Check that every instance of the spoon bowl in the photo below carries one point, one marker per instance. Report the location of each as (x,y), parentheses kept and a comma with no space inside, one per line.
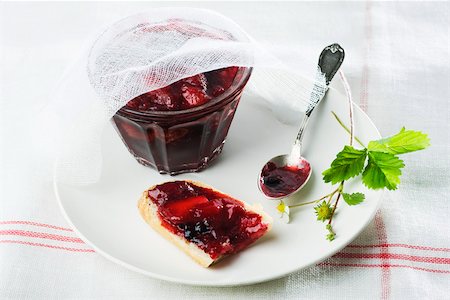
(299,173)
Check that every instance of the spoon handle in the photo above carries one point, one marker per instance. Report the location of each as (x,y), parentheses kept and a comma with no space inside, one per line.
(330,60)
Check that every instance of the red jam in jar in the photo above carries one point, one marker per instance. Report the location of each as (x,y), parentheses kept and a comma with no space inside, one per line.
(182,127)
(215,222)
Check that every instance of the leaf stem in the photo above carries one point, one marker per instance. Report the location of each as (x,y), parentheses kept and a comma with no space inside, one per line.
(307,203)
(348,130)
(315,201)
(335,204)
(329,199)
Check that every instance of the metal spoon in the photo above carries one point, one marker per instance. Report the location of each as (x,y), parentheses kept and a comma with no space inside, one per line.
(330,60)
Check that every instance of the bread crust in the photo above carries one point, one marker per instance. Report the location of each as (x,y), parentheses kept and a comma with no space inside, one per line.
(149,212)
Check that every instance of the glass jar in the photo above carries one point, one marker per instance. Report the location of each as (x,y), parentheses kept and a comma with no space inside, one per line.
(181,141)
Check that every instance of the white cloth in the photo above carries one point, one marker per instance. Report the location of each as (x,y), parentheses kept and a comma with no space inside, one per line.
(398,66)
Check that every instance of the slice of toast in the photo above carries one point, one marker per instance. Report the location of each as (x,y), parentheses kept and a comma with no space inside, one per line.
(156,212)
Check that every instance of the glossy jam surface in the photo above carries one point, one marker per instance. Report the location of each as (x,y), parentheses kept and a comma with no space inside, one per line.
(215,222)
(280,181)
(186,93)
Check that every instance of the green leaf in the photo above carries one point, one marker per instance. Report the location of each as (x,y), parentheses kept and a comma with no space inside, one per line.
(382,171)
(403,142)
(353,199)
(347,164)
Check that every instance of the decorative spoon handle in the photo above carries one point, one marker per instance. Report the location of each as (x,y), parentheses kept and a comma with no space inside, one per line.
(330,60)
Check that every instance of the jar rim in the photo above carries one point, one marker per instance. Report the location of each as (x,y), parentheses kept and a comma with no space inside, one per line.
(217,100)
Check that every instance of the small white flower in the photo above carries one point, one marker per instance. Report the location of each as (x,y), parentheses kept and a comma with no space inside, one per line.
(283,211)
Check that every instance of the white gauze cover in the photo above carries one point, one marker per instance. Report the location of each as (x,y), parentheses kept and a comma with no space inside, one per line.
(148,51)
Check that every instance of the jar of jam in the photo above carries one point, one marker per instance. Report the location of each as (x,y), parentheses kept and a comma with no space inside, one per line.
(182,127)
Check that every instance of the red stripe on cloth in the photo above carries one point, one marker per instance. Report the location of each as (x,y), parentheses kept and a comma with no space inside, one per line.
(34,224)
(382,266)
(46,246)
(401,246)
(387,256)
(384,255)
(49,236)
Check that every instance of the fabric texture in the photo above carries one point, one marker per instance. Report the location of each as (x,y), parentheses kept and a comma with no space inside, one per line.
(398,66)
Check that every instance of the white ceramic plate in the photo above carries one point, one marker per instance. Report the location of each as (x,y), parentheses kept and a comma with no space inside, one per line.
(105,215)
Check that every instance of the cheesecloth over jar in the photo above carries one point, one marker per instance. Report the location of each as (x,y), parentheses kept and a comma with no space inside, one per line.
(147,51)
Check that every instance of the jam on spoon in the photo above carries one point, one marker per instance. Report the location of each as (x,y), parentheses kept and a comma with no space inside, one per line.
(279,181)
